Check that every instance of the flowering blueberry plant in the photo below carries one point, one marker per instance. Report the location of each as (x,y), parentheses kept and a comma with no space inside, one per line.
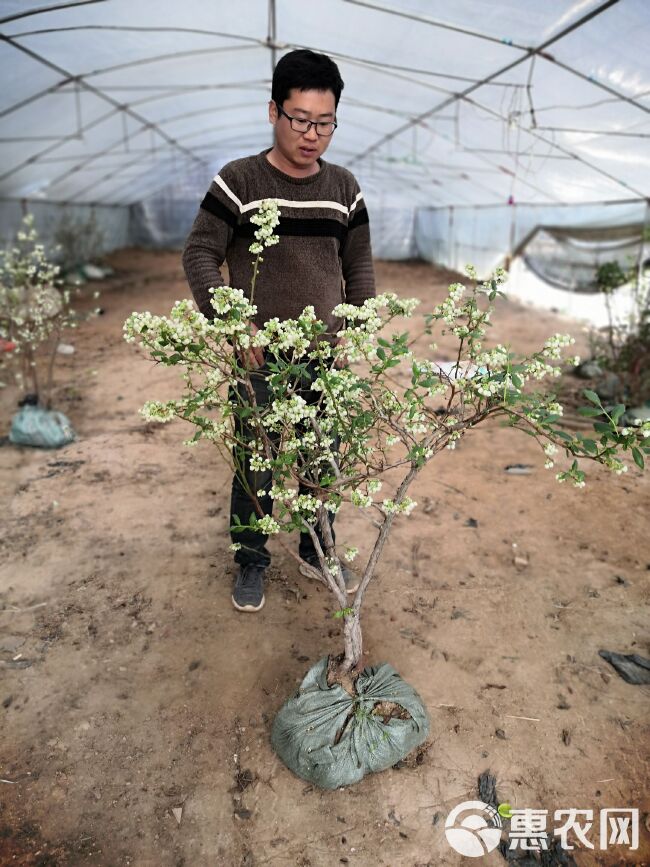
(387,408)
(34,310)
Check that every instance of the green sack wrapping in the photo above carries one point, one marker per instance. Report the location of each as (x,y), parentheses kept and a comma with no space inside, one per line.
(305,730)
(41,428)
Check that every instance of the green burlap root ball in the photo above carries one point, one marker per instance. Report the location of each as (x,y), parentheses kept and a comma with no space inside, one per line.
(305,730)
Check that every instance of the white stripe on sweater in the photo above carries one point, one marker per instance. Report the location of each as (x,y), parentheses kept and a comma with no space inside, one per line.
(286,203)
(356,201)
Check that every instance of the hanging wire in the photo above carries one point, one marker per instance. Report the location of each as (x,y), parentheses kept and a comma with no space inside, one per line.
(464,94)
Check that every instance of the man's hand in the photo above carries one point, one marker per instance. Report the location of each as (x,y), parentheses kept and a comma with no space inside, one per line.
(341,360)
(253,357)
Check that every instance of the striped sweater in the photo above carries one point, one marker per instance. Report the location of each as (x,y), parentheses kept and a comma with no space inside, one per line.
(324,255)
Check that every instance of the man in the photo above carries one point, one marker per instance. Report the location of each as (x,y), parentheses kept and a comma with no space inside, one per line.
(324,256)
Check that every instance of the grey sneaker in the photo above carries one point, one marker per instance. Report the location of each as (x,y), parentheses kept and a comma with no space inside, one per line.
(248,592)
(350,578)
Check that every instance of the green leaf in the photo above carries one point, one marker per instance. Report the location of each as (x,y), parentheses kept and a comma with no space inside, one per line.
(381,354)
(617,412)
(592,396)
(590,446)
(589,410)
(638,458)
(516,380)
(603,427)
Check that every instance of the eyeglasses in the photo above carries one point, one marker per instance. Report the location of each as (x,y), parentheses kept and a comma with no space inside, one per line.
(298,124)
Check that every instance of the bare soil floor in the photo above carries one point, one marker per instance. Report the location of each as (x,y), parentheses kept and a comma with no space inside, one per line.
(137,703)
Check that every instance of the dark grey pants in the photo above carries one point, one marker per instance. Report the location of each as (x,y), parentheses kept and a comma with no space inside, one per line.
(253,544)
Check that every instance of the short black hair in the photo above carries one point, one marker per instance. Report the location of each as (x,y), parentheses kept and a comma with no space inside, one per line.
(305,70)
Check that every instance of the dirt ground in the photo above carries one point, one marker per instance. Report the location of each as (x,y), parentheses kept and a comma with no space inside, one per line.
(137,703)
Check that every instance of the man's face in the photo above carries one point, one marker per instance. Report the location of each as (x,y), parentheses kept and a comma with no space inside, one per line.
(302,148)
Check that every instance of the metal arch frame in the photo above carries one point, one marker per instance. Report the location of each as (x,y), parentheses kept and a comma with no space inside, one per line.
(465,31)
(159,58)
(43,9)
(596,132)
(468,32)
(523,181)
(76,137)
(123,108)
(91,124)
(532,132)
(533,52)
(272,44)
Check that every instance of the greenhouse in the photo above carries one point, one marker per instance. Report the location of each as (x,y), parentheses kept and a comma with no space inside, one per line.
(366,234)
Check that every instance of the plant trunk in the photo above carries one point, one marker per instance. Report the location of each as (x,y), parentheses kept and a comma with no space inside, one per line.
(346,667)
(353,642)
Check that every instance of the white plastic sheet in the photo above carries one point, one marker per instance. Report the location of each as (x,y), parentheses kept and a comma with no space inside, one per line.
(446,106)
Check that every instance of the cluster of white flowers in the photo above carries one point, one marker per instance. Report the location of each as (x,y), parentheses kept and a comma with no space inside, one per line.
(350,552)
(550,449)
(332,566)
(155,410)
(226,299)
(390,402)
(373,486)
(305,503)
(616,465)
(185,326)
(259,463)
(288,333)
(267,218)
(340,382)
(268,525)
(456,292)
(642,427)
(554,345)
(288,412)
(538,369)
(495,359)
(404,507)
(368,312)
(454,436)
(447,311)
(361,500)
(415,424)
(490,387)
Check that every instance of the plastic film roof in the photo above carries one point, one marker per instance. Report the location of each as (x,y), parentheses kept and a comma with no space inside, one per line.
(464,104)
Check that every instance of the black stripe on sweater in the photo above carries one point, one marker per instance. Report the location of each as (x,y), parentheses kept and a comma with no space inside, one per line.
(214,206)
(316,227)
(359,219)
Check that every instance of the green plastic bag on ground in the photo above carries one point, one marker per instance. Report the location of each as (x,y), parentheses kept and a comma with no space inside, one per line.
(304,731)
(40,427)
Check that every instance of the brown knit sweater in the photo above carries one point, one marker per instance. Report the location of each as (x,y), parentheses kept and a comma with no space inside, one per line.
(324,255)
